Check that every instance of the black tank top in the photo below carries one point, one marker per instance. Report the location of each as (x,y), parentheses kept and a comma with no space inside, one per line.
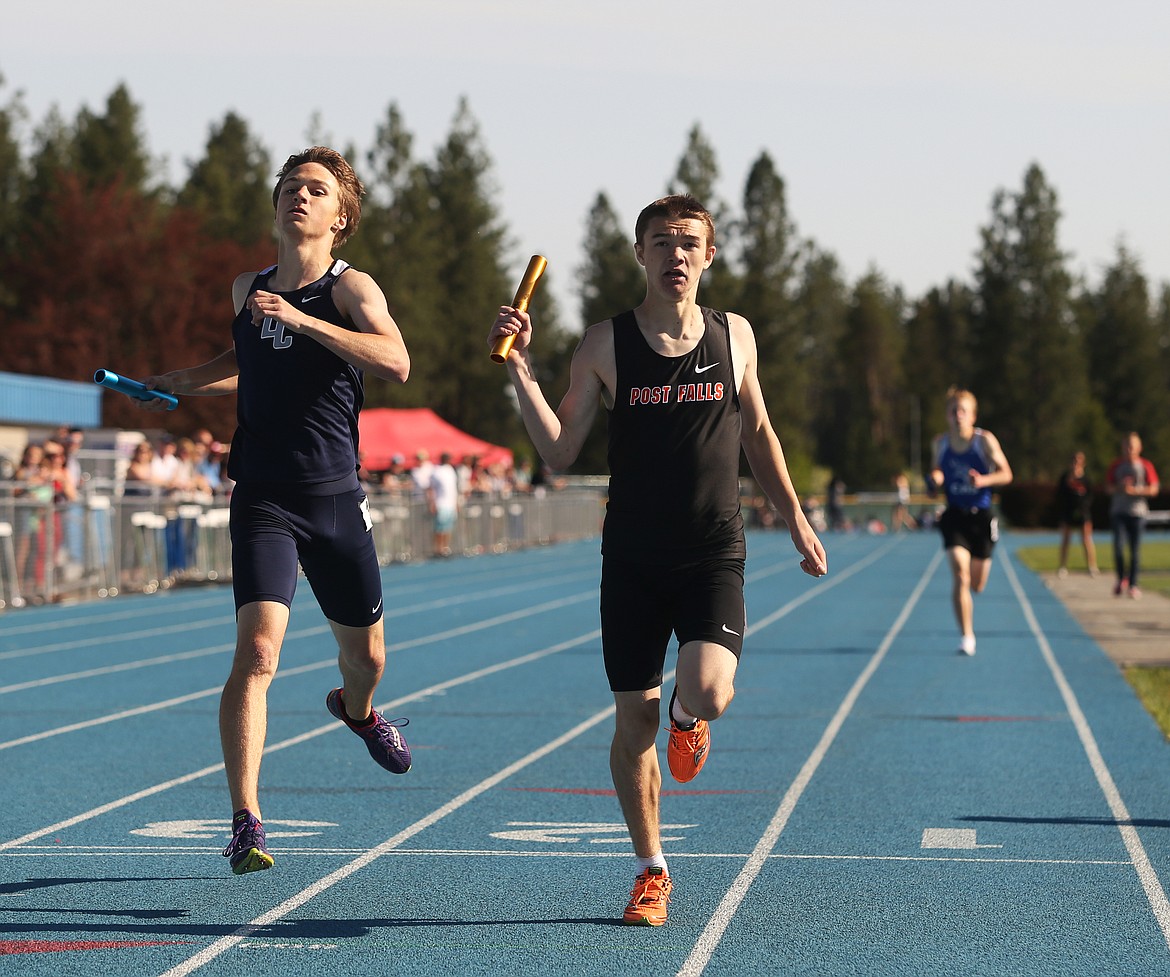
(297,402)
(674,449)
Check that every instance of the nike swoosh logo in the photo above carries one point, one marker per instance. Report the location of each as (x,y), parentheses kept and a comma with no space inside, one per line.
(729,631)
(704,369)
(376,606)
(309,298)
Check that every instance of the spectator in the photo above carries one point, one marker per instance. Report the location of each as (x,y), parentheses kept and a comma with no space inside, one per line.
(140,479)
(1132,481)
(522,476)
(1074,499)
(396,480)
(188,484)
(443,499)
(33,494)
(836,496)
(72,513)
(208,459)
(900,518)
(165,462)
(421,474)
(140,490)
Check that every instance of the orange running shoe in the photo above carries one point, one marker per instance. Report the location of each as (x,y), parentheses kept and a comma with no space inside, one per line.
(648,900)
(688,748)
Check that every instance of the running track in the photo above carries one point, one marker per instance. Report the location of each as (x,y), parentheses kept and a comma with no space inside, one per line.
(875,804)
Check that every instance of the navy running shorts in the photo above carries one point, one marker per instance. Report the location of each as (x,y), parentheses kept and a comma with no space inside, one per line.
(331,536)
(974,530)
(641,606)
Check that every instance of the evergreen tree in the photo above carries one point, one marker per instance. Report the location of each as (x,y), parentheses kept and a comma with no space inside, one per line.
(231,186)
(611,280)
(939,354)
(399,245)
(821,305)
(1162,328)
(1124,356)
(1030,375)
(697,174)
(109,148)
(768,258)
(870,405)
(390,160)
(462,384)
(13,186)
(51,160)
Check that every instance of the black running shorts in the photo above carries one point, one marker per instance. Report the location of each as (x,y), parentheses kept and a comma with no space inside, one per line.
(974,530)
(329,535)
(641,606)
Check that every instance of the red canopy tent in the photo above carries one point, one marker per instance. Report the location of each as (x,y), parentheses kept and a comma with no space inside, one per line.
(385,432)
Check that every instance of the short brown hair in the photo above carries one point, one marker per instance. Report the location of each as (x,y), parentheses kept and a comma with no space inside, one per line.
(350,188)
(678,206)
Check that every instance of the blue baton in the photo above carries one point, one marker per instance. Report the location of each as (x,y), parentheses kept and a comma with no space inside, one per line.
(133,388)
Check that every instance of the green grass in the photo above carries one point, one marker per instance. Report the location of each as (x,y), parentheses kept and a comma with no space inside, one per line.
(1155,560)
(1152,685)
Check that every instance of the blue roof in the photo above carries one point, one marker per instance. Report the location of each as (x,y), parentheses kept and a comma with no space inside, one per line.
(47,401)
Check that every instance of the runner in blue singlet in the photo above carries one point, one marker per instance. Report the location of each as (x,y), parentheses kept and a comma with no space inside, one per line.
(968,463)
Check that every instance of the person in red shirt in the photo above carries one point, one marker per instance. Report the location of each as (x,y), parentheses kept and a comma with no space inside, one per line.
(1132,481)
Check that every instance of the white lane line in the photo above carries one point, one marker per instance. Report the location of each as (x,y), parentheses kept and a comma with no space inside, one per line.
(88,615)
(161,851)
(827,583)
(1129,835)
(292,635)
(393,704)
(112,717)
(211,953)
(278,912)
(132,637)
(326,663)
(78,618)
(709,939)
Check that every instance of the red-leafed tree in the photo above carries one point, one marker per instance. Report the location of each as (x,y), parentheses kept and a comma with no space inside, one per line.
(110,278)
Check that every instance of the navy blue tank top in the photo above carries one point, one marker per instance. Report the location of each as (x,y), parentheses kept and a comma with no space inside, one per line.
(297,402)
(957,466)
(674,443)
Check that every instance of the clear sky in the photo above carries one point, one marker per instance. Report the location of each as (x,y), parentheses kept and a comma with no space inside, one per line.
(892,122)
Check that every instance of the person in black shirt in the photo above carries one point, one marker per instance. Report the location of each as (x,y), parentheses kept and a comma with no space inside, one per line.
(680,386)
(305,331)
(1074,499)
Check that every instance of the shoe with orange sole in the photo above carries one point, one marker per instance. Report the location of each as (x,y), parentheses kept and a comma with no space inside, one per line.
(688,748)
(648,901)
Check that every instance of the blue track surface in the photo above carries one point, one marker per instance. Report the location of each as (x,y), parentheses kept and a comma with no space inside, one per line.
(875,804)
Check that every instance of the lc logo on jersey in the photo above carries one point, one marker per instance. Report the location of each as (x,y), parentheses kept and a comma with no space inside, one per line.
(272,329)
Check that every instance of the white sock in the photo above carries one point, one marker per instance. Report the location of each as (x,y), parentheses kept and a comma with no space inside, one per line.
(680,716)
(654,861)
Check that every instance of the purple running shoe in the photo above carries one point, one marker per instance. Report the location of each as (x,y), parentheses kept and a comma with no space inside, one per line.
(382,738)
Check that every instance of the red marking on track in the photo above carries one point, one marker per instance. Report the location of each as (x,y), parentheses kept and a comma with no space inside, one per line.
(600,792)
(56,946)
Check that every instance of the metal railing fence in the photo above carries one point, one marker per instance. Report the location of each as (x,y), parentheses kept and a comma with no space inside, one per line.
(107,542)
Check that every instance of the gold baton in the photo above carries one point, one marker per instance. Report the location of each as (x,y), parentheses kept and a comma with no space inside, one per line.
(536,266)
